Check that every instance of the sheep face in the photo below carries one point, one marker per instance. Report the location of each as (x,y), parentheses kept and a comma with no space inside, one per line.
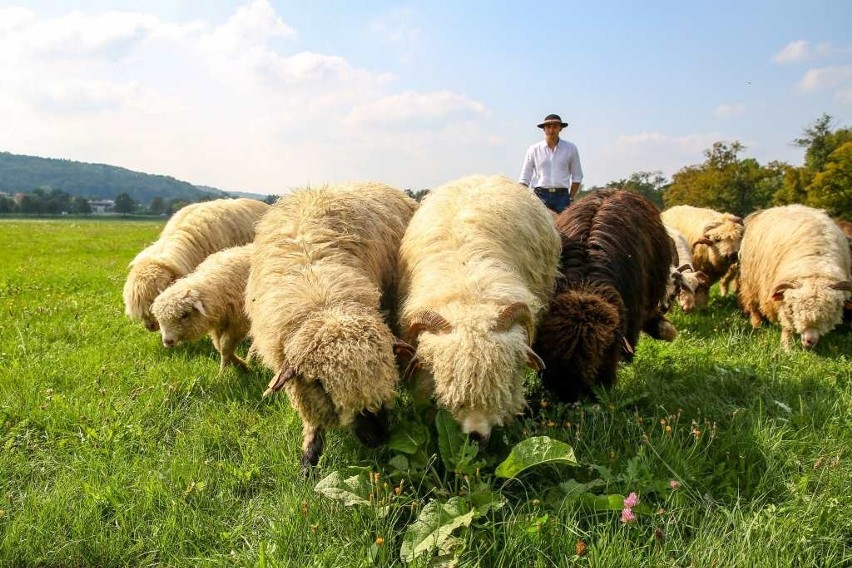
(181,316)
(477,367)
(147,280)
(695,291)
(810,307)
(346,371)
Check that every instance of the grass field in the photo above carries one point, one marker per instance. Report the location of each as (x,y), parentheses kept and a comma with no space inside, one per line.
(115,451)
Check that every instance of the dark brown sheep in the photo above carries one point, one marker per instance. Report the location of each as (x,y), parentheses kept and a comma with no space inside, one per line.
(615,265)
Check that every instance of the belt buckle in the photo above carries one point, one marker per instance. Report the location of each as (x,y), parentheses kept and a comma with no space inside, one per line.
(552,189)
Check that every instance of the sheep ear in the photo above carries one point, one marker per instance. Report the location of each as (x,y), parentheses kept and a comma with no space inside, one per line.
(279,380)
(703,241)
(703,278)
(778,290)
(400,347)
(200,307)
(534,361)
(844,285)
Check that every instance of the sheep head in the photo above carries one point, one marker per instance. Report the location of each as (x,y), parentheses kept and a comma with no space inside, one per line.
(810,307)
(478,365)
(720,242)
(343,370)
(180,314)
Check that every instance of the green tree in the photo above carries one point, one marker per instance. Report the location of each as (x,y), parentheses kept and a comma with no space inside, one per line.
(31,203)
(124,204)
(175,205)
(793,186)
(831,188)
(819,141)
(157,205)
(81,205)
(725,182)
(7,204)
(650,184)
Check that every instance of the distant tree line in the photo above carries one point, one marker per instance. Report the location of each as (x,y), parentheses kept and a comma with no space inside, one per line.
(43,201)
(93,181)
(727,182)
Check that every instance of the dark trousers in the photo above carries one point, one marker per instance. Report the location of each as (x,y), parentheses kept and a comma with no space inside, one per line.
(556,201)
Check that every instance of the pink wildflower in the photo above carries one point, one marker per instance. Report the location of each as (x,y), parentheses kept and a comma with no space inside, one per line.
(631,501)
(627,515)
(674,484)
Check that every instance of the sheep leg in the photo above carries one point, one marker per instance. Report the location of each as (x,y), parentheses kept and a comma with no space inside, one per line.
(786,335)
(659,327)
(313,439)
(755,319)
(228,345)
(728,283)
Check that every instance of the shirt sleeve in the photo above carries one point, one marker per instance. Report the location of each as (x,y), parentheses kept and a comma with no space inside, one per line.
(527,168)
(575,168)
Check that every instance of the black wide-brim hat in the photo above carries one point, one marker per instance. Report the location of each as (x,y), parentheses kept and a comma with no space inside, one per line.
(552,119)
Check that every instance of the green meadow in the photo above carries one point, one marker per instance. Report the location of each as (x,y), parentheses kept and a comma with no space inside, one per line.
(117,452)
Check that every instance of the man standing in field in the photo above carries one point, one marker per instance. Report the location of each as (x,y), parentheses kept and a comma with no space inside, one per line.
(552,167)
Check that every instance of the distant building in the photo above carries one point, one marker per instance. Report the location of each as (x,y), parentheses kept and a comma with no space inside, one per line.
(102,206)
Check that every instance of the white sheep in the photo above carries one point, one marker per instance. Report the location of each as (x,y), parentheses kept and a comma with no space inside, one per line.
(478,266)
(794,269)
(191,235)
(691,287)
(714,239)
(209,301)
(323,259)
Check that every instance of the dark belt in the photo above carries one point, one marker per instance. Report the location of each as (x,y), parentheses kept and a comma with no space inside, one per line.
(552,189)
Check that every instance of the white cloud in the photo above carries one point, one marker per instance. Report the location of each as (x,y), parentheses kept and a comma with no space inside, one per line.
(233,104)
(251,25)
(729,110)
(12,17)
(397,29)
(793,52)
(826,78)
(420,109)
(802,50)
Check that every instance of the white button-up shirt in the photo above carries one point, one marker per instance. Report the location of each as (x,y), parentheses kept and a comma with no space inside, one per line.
(544,167)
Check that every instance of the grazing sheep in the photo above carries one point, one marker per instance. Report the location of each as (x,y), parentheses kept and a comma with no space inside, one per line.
(322,260)
(210,301)
(795,270)
(478,265)
(691,287)
(615,264)
(191,235)
(714,239)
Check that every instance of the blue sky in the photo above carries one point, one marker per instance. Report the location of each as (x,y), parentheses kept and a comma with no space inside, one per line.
(265,95)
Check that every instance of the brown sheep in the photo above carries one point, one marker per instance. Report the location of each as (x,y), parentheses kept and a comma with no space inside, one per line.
(615,264)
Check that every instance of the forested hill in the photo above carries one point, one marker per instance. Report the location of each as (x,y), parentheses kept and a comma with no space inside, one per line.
(96,181)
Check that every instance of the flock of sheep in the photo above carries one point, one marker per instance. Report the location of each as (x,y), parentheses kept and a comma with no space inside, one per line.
(345,289)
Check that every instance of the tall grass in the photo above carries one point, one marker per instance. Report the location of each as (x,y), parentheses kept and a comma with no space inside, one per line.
(115,451)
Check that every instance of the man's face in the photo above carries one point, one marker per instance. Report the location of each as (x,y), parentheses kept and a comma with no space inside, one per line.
(551,131)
